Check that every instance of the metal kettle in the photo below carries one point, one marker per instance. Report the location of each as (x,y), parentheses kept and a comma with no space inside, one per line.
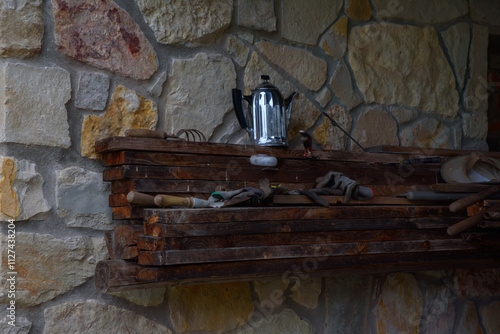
(270,113)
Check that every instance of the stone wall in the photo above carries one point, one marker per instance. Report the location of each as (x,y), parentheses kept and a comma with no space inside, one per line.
(396,72)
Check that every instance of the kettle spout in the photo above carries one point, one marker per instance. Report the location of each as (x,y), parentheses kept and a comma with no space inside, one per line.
(289,101)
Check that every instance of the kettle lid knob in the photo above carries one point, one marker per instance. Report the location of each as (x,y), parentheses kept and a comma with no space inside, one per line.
(264,77)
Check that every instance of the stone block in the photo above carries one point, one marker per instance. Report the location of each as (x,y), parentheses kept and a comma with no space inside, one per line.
(304,23)
(330,136)
(198,93)
(22,325)
(401,64)
(257,14)
(157,88)
(422,11)
(490,317)
(343,86)
(270,293)
(334,41)
(92,316)
(324,96)
(302,65)
(21,28)
(399,305)
(345,314)
(457,41)
(306,291)
(21,191)
(32,105)
(48,267)
(212,308)
(485,11)
(102,34)
(82,199)
(126,110)
(190,23)
(358,10)
(92,91)
(477,283)
(476,98)
(427,133)
(469,321)
(375,127)
(237,49)
(403,115)
(146,297)
(287,321)
(475,125)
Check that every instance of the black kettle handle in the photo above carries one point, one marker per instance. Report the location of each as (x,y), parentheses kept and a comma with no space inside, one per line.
(238,108)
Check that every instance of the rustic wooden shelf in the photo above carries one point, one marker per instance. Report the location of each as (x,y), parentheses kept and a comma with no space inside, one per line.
(185,246)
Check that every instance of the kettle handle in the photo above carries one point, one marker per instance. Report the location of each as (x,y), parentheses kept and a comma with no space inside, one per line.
(238,108)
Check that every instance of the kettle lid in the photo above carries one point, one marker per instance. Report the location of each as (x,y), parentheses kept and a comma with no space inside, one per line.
(266,85)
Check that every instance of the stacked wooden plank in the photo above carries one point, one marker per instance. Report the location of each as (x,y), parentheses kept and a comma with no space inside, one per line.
(183,246)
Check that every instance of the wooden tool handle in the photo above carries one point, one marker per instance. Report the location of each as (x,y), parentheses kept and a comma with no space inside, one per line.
(138,198)
(469,200)
(469,222)
(168,201)
(145,133)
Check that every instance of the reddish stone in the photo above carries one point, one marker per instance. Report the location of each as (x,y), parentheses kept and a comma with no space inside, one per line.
(100,33)
(478,283)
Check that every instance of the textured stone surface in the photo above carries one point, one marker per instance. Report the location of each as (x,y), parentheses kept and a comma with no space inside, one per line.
(48,267)
(457,40)
(304,23)
(342,86)
(92,91)
(324,96)
(490,317)
(345,314)
(100,33)
(22,326)
(211,77)
(303,113)
(330,136)
(93,316)
(144,297)
(237,49)
(399,306)
(186,22)
(438,309)
(475,125)
(334,41)
(485,11)
(358,10)
(21,190)
(286,321)
(257,14)
(423,11)
(210,308)
(126,110)
(404,65)
(404,115)
(302,65)
(375,127)
(270,292)
(476,98)
(21,28)
(32,105)
(427,133)
(477,283)
(157,87)
(306,291)
(469,321)
(83,199)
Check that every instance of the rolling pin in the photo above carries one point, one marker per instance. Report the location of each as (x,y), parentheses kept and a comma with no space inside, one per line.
(135,197)
(469,200)
(182,202)
(469,222)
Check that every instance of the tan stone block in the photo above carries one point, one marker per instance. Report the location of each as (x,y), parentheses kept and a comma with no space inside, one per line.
(399,306)
(331,137)
(212,308)
(401,64)
(9,203)
(427,133)
(306,291)
(126,110)
(490,314)
(302,65)
(334,42)
(359,10)
(422,11)
(375,127)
